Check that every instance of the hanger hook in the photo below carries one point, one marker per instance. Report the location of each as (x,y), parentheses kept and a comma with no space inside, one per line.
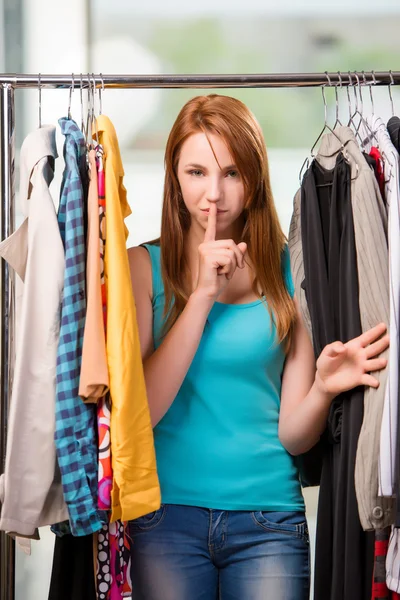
(353,85)
(70,96)
(81,96)
(325,104)
(101,89)
(330,85)
(390,92)
(337,95)
(348,94)
(365,82)
(328,78)
(337,98)
(40,100)
(373,82)
(94,118)
(359,92)
(89,109)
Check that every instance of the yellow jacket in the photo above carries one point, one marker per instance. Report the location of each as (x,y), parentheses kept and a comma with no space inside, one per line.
(136,489)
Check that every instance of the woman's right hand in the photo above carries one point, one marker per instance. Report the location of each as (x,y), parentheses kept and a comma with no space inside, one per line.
(218,260)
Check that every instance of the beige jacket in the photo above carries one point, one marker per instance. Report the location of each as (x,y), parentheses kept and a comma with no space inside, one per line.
(30,488)
(370,228)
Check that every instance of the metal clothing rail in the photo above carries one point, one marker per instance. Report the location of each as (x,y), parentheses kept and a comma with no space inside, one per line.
(262,80)
(11,81)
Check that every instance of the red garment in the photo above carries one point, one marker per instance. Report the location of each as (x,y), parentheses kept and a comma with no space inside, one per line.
(379,173)
(379,588)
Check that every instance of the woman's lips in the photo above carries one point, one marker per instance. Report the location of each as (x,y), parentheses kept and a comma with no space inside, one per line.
(207,210)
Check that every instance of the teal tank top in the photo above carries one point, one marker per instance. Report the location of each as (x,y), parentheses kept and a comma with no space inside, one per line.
(218,445)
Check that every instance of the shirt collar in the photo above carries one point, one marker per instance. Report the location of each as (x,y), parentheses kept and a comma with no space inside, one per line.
(37,145)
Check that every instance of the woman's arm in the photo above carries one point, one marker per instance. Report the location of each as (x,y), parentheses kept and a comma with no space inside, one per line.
(308,388)
(166,367)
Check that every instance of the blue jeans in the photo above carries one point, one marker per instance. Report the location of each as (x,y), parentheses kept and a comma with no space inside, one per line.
(190,553)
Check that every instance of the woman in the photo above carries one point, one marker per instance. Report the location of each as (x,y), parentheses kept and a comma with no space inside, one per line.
(233,388)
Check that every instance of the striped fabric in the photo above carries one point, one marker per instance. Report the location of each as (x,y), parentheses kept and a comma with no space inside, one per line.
(380,590)
(75,435)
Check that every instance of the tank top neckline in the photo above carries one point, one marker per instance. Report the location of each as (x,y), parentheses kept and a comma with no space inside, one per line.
(240,305)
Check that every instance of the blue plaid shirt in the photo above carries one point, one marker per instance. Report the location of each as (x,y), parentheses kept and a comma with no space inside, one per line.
(75,436)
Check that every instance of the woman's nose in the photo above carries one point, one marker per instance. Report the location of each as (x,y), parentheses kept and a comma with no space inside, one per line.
(214,191)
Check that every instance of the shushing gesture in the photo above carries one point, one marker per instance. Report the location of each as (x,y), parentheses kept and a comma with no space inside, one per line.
(342,367)
(218,259)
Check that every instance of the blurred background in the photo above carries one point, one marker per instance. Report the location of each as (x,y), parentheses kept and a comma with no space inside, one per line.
(154,37)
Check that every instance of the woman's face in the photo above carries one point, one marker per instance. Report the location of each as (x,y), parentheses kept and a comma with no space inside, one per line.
(203,182)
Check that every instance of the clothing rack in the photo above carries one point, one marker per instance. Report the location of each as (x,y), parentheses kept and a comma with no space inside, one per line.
(9,82)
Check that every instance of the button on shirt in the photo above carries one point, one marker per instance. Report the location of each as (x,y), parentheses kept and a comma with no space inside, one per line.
(75,421)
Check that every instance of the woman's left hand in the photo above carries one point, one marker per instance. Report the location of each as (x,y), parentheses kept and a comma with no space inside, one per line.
(342,367)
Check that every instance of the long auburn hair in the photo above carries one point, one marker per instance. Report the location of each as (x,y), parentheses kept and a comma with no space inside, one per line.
(237,126)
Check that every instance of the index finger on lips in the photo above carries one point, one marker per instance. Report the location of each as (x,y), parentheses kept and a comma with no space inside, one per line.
(211,230)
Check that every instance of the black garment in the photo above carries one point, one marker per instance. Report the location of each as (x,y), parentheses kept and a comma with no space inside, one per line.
(72,577)
(370,160)
(344,552)
(393,128)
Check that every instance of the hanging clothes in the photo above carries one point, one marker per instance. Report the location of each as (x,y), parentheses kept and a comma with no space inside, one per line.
(30,488)
(104,404)
(388,459)
(75,421)
(94,382)
(135,490)
(344,554)
(113,563)
(72,576)
(112,544)
(388,438)
(370,236)
(343,536)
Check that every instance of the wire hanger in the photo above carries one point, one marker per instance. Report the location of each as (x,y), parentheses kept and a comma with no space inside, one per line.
(40,101)
(71,89)
(95,137)
(370,133)
(337,121)
(100,97)
(88,131)
(356,111)
(370,90)
(81,97)
(325,127)
(390,92)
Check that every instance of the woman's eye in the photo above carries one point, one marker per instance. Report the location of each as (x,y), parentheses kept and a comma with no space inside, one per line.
(195,172)
(233,173)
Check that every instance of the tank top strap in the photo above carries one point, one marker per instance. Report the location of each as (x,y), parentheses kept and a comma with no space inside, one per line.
(155,257)
(286,270)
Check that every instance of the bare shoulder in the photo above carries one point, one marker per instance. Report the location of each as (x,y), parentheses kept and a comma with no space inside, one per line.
(140,266)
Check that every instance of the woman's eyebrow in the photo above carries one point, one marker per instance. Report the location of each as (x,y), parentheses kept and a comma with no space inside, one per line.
(197,166)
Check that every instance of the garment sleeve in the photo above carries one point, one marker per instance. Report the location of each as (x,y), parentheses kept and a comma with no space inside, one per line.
(286,270)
